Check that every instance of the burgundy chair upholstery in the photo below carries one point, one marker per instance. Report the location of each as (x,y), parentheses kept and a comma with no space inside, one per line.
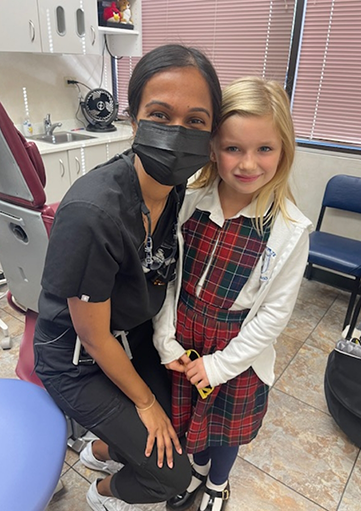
(27,156)
(22,208)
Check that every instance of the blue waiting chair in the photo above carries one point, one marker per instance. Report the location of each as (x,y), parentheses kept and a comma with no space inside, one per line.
(34,439)
(334,252)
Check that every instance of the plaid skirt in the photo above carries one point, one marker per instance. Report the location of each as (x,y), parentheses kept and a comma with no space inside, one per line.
(232,414)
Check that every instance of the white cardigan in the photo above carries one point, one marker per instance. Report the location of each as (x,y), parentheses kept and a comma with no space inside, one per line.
(270,293)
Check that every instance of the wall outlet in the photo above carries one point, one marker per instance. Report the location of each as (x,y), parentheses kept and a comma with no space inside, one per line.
(69,78)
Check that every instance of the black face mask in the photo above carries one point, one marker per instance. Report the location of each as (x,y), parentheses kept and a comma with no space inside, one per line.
(171,154)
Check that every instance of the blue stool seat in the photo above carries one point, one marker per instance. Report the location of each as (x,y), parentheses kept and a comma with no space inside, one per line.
(33,444)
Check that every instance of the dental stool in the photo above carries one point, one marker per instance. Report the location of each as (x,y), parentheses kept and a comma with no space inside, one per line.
(34,440)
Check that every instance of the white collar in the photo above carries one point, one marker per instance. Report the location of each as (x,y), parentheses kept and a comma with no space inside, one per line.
(211,202)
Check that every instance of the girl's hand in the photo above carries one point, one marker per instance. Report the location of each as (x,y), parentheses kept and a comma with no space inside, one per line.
(161,430)
(196,373)
(179,365)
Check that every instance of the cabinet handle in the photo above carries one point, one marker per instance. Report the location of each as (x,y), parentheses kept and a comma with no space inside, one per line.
(31,31)
(94,34)
(62,168)
(78,167)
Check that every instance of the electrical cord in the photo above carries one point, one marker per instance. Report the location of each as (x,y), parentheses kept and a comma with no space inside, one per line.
(103,65)
(80,97)
(107,47)
(102,72)
(76,82)
(76,116)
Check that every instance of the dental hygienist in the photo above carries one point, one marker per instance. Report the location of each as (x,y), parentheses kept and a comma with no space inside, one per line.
(111,253)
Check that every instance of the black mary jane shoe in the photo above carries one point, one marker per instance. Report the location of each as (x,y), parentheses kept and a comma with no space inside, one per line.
(184,500)
(224,495)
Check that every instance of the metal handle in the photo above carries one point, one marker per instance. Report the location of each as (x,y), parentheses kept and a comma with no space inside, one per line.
(78,166)
(31,31)
(94,35)
(62,168)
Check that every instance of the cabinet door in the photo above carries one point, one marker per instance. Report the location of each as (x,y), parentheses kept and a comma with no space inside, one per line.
(57,176)
(123,145)
(91,33)
(67,28)
(113,148)
(19,27)
(58,26)
(84,159)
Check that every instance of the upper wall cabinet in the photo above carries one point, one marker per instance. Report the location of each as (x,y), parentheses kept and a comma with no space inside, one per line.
(19,26)
(49,26)
(67,27)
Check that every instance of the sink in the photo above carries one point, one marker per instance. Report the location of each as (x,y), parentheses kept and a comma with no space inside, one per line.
(61,137)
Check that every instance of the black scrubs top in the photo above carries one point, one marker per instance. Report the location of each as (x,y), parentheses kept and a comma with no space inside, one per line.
(96,248)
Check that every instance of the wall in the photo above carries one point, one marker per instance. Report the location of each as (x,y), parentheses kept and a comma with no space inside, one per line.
(312,169)
(43,77)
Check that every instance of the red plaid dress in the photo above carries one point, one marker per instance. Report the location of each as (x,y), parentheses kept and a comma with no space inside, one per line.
(232,414)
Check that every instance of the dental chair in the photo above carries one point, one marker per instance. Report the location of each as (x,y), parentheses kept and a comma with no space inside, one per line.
(25,223)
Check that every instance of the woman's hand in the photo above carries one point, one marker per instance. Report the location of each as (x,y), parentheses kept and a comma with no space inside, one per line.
(161,430)
(179,365)
(196,373)
(91,322)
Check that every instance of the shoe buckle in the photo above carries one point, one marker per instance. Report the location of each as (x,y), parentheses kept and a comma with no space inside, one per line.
(225,494)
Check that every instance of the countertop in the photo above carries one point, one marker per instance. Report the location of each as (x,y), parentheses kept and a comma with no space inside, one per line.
(123,132)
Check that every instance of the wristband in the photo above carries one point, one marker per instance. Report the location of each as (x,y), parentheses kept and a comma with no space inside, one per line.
(147,408)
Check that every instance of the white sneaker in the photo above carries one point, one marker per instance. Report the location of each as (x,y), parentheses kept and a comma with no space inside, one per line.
(2,278)
(89,460)
(99,503)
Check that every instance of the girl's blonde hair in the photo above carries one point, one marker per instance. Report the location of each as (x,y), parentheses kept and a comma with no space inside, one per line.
(254,96)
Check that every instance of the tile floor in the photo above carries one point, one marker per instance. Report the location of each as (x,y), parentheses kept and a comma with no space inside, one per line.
(301,460)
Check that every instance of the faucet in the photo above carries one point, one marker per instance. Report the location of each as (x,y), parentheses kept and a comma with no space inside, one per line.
(48,127)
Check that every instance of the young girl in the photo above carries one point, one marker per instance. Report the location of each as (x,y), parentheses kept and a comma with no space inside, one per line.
(245,250)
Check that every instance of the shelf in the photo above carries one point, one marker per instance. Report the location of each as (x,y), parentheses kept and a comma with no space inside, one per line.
(122,42)
(117,31)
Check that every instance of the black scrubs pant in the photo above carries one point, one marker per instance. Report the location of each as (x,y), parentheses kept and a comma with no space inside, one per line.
(84,393)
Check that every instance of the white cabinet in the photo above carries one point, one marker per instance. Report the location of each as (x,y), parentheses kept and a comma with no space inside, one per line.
(67,27)
(113,148)
(62,168)
(49,26)
(19,26)
(57,175)
(91,37)
(83,159)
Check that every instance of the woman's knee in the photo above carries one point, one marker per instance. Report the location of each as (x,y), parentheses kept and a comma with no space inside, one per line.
(178,478)
(149,483)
